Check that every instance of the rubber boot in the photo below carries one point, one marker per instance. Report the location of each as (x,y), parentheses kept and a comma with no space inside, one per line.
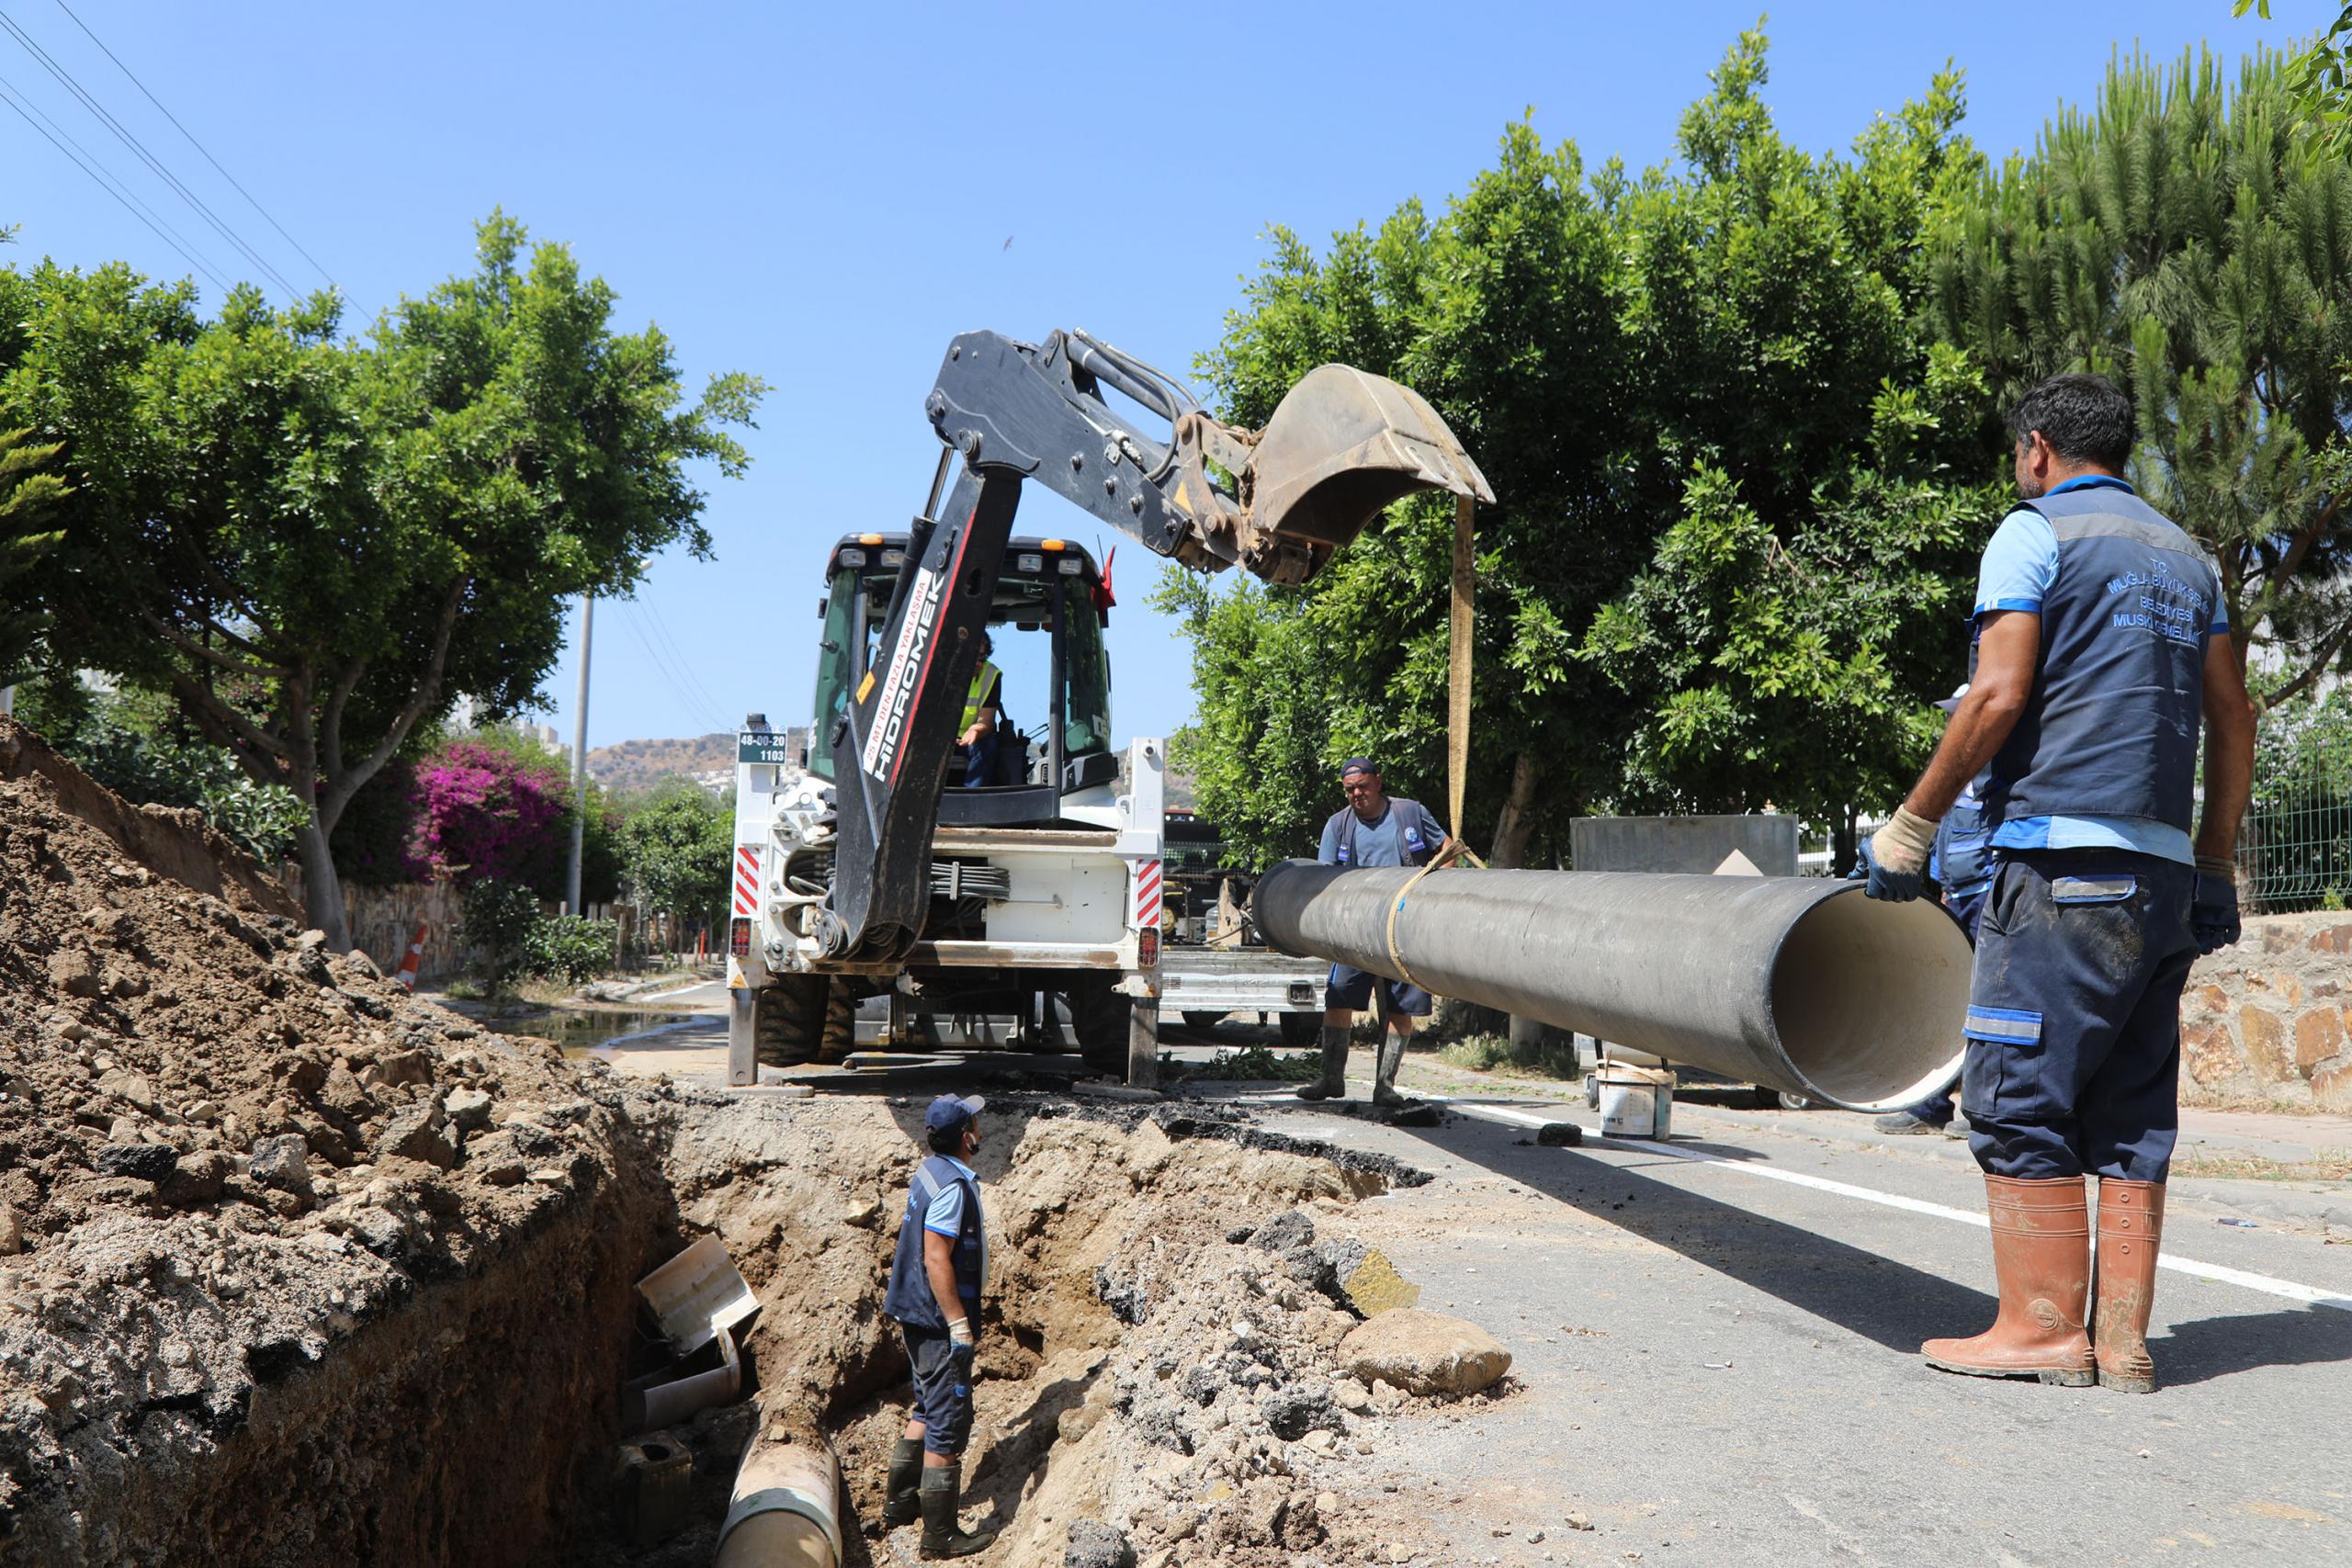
(2041,1258)
(1333,1084)
(899,1502)
(943,1536)
(1384,1076)
(2130,1223)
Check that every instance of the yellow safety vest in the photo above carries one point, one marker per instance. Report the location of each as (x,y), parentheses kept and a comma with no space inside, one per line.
(984,681)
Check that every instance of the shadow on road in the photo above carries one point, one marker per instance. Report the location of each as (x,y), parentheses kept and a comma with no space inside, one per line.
(1884,1300)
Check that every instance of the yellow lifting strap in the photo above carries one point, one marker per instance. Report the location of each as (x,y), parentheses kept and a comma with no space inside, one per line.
(1457,722)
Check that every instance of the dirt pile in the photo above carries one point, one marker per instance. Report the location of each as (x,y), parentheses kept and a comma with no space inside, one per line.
(224,1153)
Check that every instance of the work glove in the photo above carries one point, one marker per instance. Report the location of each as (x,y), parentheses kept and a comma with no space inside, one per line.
(1893,859)
(959,1329)
(2213,907)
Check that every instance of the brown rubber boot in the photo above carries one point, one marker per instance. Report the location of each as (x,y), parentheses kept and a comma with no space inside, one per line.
(1333,1084)
(1383,1075)
(943,1535)
(2130,1223)
(900,1504)
(2041,1258)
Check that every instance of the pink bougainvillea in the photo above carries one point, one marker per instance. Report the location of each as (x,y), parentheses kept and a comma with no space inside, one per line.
(484,812)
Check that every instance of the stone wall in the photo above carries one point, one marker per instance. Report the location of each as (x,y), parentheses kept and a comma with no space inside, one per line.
(2270,1017)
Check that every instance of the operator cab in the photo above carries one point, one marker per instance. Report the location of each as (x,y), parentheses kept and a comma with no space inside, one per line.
(1053,692)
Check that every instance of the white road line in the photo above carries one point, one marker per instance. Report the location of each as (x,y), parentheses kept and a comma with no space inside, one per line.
(2286,1288)
(679,991)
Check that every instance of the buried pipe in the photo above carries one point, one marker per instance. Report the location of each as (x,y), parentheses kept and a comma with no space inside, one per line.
(1798,984)
(786,1509)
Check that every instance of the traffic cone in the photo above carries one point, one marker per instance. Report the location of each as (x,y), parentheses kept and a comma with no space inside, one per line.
(405,975)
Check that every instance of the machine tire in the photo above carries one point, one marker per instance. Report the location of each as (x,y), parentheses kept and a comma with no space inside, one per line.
(1196,1018)
(1098,1016)
(788,1020)
(838,1035)
(1793,1102)
(1301,1028)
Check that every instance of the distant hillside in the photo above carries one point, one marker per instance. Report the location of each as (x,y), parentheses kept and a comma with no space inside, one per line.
(635,765)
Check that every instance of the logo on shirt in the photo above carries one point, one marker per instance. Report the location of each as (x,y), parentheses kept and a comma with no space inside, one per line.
(2159,601)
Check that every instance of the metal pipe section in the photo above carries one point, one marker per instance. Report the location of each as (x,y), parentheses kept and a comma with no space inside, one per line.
(1798,984)
(785,1510)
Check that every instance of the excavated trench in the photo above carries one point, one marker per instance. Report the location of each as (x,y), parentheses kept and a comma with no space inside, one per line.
(296,1269)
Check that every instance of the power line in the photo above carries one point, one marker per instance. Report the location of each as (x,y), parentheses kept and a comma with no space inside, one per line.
(662,629)
(106,182)
(694,707)
(65,79)
(194,143)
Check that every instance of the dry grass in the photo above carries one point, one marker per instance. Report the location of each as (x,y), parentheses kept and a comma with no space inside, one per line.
(2326,1164)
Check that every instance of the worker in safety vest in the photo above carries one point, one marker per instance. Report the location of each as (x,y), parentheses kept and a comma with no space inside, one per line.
(936,1277)
(2100,642)
(978,734)
(1372,829)
(1961,865)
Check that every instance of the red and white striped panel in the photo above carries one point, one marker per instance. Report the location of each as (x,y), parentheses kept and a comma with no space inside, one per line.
(747,879)
(1146,897)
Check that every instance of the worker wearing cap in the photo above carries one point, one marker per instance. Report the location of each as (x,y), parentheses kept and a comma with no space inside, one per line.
(982,702)
(1961,865)
(936,1277)
(2100,643)
(1373,830)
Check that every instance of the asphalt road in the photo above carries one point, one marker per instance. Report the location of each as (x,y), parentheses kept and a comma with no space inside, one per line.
(1722,1364)
(1716,1352)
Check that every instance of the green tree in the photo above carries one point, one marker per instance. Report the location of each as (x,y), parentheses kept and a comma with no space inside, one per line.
(316,545)
(1498,312)
(677,849)
(30,490)
(2195,243)
(2319,75)
(1808,448)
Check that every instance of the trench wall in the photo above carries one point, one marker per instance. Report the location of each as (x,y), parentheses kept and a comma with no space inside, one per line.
(2270,1017)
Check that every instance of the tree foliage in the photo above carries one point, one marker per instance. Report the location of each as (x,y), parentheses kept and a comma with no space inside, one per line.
(2194,243)
(30,490)
(1734,485)
(677,853)
(316,544)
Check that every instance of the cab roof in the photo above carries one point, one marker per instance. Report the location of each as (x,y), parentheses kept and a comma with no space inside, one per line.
(1023,544)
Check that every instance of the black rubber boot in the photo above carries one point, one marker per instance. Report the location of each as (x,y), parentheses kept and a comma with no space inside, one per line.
(942,1535)
(1383,1077)
(1333,1084)
(900,1503)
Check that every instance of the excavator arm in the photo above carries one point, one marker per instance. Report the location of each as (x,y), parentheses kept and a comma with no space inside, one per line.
(1277,502)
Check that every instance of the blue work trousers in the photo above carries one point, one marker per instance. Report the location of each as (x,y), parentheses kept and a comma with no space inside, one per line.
(2074,1015)
(979,762)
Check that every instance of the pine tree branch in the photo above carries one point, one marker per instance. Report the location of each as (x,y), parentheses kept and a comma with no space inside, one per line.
(2314,670)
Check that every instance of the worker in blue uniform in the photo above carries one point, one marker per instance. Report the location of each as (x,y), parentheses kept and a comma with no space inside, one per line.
(1375,828)
(2100,643)
(936,1277)
(1961,865)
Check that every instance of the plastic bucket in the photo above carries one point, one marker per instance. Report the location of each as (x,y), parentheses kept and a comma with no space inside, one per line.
(1636,1103)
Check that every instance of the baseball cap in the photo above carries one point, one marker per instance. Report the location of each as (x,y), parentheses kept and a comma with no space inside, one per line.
(1358,765)
(1952,703)
(948,1113)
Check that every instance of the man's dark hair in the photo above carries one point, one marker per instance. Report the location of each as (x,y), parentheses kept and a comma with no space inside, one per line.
(947,1140)
(2083,418)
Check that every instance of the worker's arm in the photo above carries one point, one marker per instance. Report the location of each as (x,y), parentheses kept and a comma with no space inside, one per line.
(2229,752)
(939,1268)
(986,723)
(2005,654)
(2229,779)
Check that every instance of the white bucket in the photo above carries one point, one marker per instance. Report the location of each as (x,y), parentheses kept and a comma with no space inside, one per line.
(1636,1103)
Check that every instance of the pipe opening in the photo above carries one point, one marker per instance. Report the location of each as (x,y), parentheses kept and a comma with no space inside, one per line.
(1870,994)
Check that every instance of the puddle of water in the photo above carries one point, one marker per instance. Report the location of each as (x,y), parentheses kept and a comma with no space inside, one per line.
(580,1032)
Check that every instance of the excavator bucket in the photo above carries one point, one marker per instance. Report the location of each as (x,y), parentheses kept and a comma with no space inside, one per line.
(1341,446)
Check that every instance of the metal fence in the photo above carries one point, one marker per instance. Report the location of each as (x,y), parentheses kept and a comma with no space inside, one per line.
(2295,850)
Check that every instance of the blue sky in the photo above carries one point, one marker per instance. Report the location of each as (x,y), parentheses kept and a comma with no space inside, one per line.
(822,195)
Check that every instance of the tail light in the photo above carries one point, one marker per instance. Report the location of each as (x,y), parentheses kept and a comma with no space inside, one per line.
(1148,948)
(738,937)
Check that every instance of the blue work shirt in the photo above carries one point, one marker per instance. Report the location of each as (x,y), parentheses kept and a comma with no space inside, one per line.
(1381,842)
(2019,567)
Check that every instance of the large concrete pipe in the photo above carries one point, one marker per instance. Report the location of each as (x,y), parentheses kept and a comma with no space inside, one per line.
(1795,982)
(786,1511)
